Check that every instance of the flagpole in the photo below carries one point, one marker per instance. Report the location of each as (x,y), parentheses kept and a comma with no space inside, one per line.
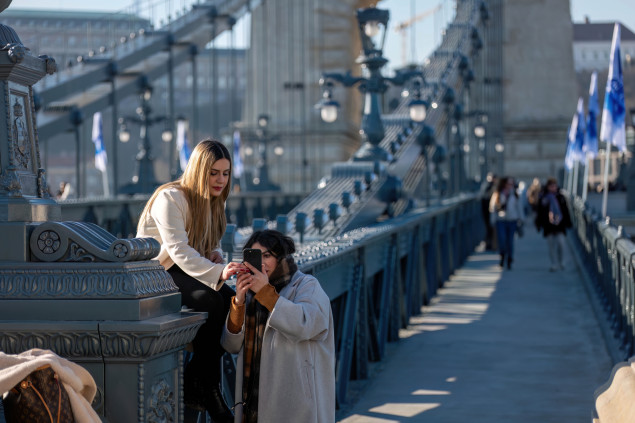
(613,113)
(104,180)
(585,183)
(575,178)
(605,190)
(591,139)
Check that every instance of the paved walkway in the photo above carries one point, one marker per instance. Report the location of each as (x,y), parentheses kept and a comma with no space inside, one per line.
(520,345)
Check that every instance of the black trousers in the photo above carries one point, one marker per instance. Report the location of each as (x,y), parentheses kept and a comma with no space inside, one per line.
(205,364)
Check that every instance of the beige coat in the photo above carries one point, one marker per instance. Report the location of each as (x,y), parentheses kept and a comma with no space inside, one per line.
(297,365)
(79,384)
(166,224)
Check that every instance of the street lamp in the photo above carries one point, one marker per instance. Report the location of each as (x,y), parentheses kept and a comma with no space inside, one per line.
(144,180)
(448,100)
(499,147)
(426,139)
(480,131)
(263,183)
(77,118)
(417,107)
(372,30)
(630,178)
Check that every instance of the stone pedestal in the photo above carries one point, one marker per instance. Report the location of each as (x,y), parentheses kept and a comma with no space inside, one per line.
(74,288)
(98,301)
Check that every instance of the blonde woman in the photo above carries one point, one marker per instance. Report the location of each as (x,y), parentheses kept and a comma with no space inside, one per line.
(187,217)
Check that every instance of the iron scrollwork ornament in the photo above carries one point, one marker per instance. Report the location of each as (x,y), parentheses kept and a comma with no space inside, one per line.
(20,136)
(161,405)
(51,65)
(48,242)
(15,51)
(10,183)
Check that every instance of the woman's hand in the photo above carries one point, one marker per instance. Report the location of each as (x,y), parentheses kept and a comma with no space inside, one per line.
(216,257)
(258,280)
(233,268)
(242,286)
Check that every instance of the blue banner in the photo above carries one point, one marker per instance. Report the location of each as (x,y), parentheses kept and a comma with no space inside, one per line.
(181,144)
(614,112)
(591,141)
(101,158)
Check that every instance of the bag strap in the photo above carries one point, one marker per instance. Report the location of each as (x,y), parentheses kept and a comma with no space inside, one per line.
(27,384)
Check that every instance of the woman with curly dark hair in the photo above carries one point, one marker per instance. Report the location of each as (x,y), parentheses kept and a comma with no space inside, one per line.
(281,325)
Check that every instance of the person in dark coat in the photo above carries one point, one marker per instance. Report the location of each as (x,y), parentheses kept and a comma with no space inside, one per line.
(487,190)
(553,219)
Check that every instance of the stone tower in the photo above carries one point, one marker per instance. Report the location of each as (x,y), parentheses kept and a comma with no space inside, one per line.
(539,86)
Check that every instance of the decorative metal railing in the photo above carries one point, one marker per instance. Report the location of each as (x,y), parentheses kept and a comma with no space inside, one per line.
(120,215)
(608,258)
(379,276)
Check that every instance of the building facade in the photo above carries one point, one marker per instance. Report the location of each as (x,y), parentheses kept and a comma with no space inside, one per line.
(592,45)
(71,37)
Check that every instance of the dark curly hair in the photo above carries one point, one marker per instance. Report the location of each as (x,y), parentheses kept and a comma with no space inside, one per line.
(276,242)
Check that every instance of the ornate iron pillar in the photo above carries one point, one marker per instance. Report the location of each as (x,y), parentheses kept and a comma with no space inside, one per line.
(173,166)
(72,287)
(195,88)
(115,128)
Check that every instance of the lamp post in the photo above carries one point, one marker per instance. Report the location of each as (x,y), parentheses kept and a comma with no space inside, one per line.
(372,23)
(426,139)
(630,179)
(458,165)
(144,180)
(480,132)
(500,149)
(77,118)
(264,184)
(448,99)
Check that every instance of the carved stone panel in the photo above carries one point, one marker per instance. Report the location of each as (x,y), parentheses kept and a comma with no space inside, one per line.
(22,150)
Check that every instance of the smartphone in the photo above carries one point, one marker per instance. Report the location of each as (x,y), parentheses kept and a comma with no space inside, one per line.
(253,256)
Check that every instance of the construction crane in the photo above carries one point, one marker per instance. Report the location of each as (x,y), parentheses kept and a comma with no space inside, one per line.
(403,26)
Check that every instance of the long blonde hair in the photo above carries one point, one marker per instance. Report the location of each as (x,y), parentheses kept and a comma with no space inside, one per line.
(206,222)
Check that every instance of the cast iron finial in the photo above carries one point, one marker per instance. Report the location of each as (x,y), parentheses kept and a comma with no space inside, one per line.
(7,34)
(4,4)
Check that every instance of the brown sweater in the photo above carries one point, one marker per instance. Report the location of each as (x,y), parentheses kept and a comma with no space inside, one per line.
(267,296)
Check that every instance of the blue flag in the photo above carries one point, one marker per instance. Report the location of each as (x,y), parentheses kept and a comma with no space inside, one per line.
(181,144)
(577,133)
(101,158)
(238,162)
(614,112)
(591,141)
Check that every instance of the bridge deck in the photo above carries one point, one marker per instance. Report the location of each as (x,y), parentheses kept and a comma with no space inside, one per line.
(520,345)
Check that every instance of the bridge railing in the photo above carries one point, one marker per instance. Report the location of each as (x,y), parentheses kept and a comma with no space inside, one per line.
(120,215)
(608,257)
(379,276)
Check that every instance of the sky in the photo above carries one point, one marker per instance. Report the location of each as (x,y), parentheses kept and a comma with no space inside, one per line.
(426,31)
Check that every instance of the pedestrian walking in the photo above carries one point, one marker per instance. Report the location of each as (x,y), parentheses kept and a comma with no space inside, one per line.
(487,190)
(533,193)
(554,219)
(507,214)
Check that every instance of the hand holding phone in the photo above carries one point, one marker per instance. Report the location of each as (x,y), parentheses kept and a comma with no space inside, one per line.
(253,256)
